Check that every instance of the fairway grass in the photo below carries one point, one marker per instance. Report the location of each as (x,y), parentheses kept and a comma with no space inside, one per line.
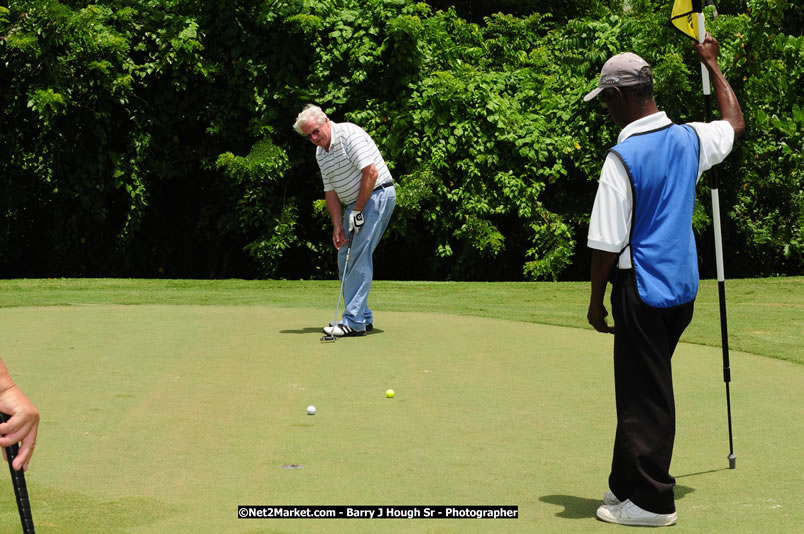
(165,417)
(765,316)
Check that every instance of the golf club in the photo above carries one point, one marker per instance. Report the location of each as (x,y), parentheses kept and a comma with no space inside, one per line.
(20,487)
(340,291)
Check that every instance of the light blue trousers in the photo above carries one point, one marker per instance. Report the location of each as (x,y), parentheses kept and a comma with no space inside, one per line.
(360,271)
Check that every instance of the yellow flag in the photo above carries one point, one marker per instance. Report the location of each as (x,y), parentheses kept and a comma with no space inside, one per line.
(685,17)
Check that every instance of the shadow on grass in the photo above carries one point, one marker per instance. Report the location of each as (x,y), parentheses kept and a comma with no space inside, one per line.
(574,507)
(318,329)
(580,508)
(701,473)
(307,330)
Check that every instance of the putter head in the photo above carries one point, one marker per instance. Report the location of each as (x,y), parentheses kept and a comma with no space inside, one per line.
(327,339)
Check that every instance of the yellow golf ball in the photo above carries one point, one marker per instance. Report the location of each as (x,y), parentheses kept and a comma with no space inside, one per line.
(389,393)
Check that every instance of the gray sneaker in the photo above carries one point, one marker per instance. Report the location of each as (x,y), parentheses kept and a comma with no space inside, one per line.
(610,499)
(628,513)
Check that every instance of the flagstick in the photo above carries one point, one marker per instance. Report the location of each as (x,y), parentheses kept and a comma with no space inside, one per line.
(721,284)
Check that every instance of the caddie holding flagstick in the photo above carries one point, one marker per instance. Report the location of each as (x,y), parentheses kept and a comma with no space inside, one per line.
(642,241)
(356,177)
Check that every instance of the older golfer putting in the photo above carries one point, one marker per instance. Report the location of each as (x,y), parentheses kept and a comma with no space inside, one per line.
(355,177)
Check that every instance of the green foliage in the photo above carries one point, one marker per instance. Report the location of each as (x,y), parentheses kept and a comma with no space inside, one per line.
(60,110)
(125,122)
(765,193)
(47,104)
(264,215)
(470,132)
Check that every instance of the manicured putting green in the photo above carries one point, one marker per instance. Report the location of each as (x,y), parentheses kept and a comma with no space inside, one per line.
(165,418)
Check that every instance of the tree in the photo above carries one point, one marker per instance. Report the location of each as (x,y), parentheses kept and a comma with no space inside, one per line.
(153,138)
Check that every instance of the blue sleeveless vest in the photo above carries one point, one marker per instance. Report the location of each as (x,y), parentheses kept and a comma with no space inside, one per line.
(662,166)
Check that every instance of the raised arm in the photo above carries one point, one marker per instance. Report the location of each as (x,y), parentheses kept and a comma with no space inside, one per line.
(724,95)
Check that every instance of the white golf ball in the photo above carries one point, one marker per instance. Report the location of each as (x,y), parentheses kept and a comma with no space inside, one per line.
(311,410)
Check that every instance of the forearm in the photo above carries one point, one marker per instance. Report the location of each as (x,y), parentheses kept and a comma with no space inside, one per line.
(602,264)
(726,100)
(367,183)
(601,267)
(334,209)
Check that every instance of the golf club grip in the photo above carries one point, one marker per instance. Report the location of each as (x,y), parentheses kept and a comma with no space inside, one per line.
(20,487)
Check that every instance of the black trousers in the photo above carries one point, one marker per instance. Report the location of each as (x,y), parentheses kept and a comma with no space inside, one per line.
(644,341)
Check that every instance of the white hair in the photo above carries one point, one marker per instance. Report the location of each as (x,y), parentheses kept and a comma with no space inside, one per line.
(310,111)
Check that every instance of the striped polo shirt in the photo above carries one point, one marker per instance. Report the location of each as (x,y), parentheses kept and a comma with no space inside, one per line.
(351,150)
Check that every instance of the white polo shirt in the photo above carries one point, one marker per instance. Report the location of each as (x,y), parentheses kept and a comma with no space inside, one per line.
(351,150)
(610,223)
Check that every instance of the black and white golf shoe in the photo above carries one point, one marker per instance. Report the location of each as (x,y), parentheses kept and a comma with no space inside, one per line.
(341,330)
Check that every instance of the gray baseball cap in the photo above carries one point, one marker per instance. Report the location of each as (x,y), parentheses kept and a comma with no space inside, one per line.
(620,71)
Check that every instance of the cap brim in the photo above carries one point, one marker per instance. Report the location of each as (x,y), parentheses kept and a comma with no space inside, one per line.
(593,93)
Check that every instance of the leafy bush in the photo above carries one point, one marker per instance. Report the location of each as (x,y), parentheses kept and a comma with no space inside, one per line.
(146,138)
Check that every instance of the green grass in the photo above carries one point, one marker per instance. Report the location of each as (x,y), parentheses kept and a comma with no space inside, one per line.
(765,316)
(165,404)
